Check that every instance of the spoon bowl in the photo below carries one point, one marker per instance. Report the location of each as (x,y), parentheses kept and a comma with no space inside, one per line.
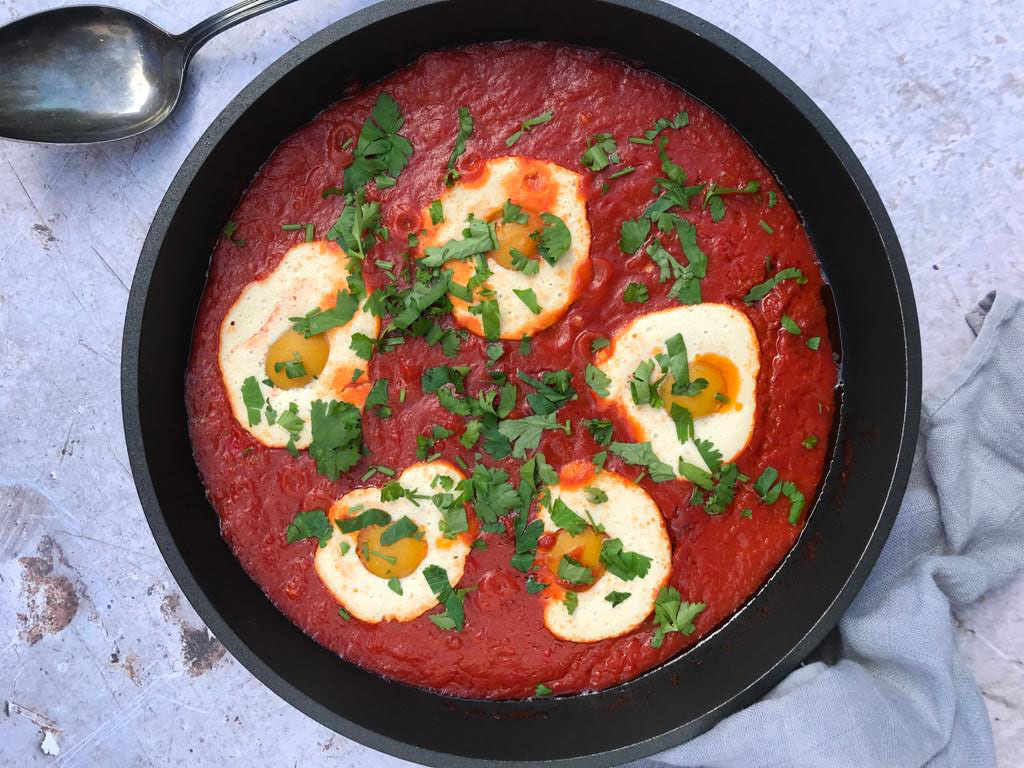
(92,73)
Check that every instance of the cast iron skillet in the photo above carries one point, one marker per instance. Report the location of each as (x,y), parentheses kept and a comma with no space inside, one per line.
(881,374)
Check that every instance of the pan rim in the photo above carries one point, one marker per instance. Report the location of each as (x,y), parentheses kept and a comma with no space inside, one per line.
(141,283)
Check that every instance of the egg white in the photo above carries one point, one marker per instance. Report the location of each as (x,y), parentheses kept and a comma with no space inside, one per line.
(366,595)
(309,275)
(630,515)
(716,329)
(531,183)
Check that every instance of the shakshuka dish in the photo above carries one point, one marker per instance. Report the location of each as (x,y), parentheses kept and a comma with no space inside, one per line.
(512,375)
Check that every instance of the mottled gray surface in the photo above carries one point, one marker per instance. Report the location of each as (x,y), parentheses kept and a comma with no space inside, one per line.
(100,658)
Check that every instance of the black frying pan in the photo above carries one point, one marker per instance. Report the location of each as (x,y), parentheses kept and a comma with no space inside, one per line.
(876,330)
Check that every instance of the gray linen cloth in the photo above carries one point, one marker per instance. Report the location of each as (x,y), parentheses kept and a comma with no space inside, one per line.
(900,696)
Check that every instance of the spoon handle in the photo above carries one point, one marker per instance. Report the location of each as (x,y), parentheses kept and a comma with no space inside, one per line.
(196,37)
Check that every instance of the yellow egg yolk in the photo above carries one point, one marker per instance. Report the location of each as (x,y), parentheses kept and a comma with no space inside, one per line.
(513,235)
(393,561)
(584,548)
(293,354)
(723,384)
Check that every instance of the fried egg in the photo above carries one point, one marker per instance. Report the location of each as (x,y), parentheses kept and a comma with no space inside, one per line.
(357,567)
(258,341)
(722,349)
(620,517)
(540,190)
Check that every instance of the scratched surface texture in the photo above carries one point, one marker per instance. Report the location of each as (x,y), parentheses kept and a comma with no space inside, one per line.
(103,663)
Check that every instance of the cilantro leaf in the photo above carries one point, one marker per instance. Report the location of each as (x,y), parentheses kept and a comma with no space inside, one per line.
(309,524)
(636,292)
(381,152)
(598,343)
(317,320)
(570,601)
(362,345)
(673,614)
(337,437)
(528,125)
(253,399)
(765,485)
(634,232)
(625,565)
(525,433)
(598,380)
(711,455)
(454,616)
(599,429)
(432,379)
(436,212)
(366,518)
(465,131)
(512,213)
(595,495)
(529,298)
(563,517)
(696,475)
(796,501)
(642,455)
(601,151)
(713,197)
(725,490)
(553,391)
(493,495)
(761,290)
(790,325)
(403,528)
(616,597)
(683,420)
(555,239)
(679,120)
(573,571)
(478,237)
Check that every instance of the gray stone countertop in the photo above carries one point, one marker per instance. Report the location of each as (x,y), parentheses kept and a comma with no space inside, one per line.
(103,663)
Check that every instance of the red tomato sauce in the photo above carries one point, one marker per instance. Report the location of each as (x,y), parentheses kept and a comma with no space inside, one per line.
(505,649)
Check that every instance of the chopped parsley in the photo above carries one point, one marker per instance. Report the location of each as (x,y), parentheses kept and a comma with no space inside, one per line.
(625,565)
(601,151)
(344,614)
(814,342)
(599,343)
(395,585)
(465,131)
(432,379)
(599,429)
(766,486)
(363,346)
(563,517)
(317,320)
(513,214)
(796,501)
(381,153)
(673,614)
(696,475)
(554,389)
(478,237)
(453,617)
(761,290)
(229,231)
(636,293)
(366,518)
(253,399)
(595,495)
(809,442)
(525,433)
(790,325)
(337,437)
(528,125)
(642,455)
(555,238)
(714,193)
(679,120)
(598,461)
(310,524)
(436,212)
(542,690)
(765,226)
(570,601)
(574,572)
(529,298)
(597,380)
(403,528)
(615,598)
(525,347)
(634,232)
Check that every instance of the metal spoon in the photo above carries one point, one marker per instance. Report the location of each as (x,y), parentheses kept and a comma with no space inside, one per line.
(94,73)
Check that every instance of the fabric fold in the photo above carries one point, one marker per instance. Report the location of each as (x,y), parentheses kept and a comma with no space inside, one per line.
(900,696)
